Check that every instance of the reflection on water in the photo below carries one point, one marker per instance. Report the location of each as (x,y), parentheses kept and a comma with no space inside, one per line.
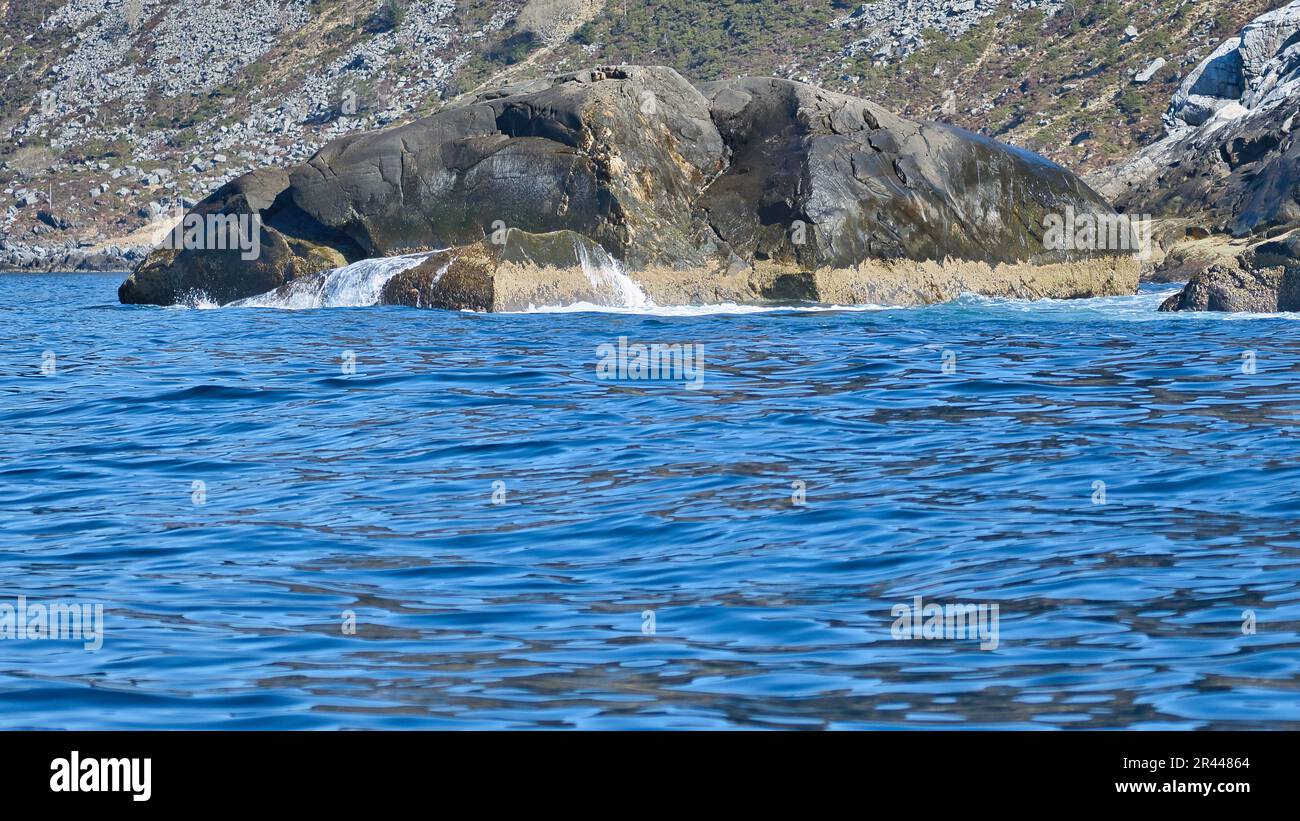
(373,493)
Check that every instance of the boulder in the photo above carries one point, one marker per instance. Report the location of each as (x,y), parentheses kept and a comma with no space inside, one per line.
(617,155)
(1233,288)
(181,272)
(1145,75)
(697,193)
(864,184)
(52,220)
(1264,278)
(518,271)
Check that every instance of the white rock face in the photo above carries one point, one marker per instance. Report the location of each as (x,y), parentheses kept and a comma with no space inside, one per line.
(1257,69)
(1229,160)
(893,29)
(1235,91)
(1147,73)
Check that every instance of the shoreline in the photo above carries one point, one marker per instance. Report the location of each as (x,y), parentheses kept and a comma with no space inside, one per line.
(10,270)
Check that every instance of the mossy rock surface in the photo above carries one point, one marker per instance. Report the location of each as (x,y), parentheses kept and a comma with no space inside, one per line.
(638,164)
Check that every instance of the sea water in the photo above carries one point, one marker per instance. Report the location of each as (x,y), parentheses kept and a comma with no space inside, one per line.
(382,517)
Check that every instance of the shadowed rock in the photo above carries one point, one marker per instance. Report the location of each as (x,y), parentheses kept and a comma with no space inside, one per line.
(1263,279)
(749,189)
(863,183)
(288,244)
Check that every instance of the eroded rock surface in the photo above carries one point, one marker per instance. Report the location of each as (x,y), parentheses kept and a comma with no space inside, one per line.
(756,188)
(1229,155)
(1264,278)
(1230,163)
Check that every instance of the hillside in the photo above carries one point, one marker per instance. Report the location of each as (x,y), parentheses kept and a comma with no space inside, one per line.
(117,111)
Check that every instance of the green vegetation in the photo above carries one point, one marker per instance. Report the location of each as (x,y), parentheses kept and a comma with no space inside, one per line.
(472,73)
(512,49)
(104,150)
(1131,103)
(706,41)
(388,16)
(1009,73)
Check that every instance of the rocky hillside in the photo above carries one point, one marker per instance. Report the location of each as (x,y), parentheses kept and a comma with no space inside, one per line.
(1225,175)
(117,111)
(1228,158)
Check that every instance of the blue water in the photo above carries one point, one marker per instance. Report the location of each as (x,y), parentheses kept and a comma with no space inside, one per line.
(372,492)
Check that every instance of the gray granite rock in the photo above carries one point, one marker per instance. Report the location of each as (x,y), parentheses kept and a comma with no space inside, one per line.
(659,173)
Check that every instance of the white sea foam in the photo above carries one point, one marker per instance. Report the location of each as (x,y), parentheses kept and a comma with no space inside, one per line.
(609,280)
(694,310)
(361,283)
(353,286)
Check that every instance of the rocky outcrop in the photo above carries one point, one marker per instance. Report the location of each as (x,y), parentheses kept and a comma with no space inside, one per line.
(564,268)
(284,244)
(1264,278)
(1229,156)
(1229,163)
(521,271)
(1231,288)
(719,191)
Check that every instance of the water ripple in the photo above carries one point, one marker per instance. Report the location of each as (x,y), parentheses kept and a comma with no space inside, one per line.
(230,491)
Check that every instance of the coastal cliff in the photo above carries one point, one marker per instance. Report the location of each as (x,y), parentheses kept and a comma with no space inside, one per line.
(1227,171)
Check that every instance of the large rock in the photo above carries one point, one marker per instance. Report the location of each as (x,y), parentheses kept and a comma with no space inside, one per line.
(756,188)
(616,155)
(520,271)
(1244,73)
(288,243)
(1231,288)
(1264,278)
(866,184)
